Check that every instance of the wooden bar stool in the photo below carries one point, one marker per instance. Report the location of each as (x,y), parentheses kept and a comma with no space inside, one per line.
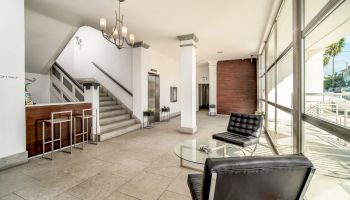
(85,131)
(57,118)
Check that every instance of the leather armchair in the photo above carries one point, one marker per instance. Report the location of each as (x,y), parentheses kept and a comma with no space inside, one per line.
(243,130)
(250,178)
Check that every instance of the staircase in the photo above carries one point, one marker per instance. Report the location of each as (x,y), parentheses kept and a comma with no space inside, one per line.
(115,119)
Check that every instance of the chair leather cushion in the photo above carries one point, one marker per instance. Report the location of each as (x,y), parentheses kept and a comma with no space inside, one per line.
(237,139)
(271,177)
(194,182)
(245,124)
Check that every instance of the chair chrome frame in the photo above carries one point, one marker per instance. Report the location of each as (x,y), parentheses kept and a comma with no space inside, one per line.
(52,122)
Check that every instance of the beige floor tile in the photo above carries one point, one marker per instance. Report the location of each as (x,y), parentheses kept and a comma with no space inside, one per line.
(167,195)
(179,184)
(65,196)
(128,168)
(166,165)
(146,186)
(11,181)
(11,197)
(97,187)
(37,192)
(86,169)
(120,196)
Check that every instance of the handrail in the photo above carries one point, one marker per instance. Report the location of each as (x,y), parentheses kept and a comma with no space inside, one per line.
(110,77)
(69,76)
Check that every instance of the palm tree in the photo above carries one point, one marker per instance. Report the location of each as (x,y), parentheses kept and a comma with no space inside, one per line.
(331,51)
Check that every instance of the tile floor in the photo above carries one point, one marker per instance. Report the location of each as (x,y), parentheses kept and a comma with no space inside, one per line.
(137,165)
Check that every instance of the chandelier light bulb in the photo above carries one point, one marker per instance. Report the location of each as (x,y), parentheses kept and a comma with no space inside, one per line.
(124,31)
(132,39)
(119,35)
(115,33)
(103,24)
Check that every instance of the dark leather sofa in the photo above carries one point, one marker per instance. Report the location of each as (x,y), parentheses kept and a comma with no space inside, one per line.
(250,178)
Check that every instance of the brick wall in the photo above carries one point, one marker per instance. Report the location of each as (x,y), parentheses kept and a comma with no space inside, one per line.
(236,86)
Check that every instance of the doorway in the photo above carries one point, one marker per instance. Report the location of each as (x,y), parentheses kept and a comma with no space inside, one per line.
(203,96)
(153,96)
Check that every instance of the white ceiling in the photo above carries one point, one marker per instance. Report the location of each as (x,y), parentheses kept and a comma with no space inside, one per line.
(235,27)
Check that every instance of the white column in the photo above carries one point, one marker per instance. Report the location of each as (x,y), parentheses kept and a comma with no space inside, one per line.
(12,80)
(213,83)
(140,62)
(188,83)
(92,94)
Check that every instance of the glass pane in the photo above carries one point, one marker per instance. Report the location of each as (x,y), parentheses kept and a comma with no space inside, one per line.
(271,49)
(327,68)
(285,27)
(330,155)
(262,106)
(271,85)
(271,121)
(285,80)
(262,89)
(262,59)
(284,139)
(78,95)
(312,7)
(68,85)
(56,73)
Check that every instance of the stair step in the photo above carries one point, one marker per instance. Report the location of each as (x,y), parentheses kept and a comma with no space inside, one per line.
(106,98)
(108,103)
(119,131)
(110,108)
(114,119)
(112,113)
(112,126)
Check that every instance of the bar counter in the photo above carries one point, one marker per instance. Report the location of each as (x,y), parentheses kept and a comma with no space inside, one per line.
(35,114)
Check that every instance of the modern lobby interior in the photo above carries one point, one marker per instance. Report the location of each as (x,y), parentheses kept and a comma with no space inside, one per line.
(138,99)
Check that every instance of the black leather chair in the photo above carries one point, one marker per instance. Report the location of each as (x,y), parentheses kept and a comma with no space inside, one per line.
(250,178)
(243,130)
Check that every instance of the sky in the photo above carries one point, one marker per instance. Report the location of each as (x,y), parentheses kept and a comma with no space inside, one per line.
(340,60)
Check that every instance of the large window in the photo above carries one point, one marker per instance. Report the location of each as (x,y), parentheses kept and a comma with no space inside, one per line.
(312,7)
(284,27)
(285,80)
(327,64)
(321,69)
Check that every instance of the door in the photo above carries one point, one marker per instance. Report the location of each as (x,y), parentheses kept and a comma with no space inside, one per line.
(203,95)
(153,96)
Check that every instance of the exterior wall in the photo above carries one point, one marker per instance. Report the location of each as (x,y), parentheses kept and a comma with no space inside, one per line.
(12,119)
(236,86)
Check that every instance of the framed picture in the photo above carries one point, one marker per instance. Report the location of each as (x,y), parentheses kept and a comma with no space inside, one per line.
(173,94)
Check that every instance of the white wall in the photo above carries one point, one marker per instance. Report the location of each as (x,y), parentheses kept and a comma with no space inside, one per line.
(40,89)
(169,75)
(45,38)
(76,60)
(12,118)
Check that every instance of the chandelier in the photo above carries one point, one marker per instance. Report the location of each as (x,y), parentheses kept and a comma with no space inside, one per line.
(119,33)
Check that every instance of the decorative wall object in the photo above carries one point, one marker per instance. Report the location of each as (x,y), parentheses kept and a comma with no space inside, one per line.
(173,94)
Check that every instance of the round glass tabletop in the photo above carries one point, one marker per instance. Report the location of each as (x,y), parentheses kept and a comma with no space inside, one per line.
(198,150)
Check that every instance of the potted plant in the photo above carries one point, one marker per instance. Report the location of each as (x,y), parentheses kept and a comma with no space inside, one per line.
(148,113)
(165,109)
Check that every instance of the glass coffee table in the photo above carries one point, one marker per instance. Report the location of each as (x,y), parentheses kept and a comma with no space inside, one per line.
(190,150)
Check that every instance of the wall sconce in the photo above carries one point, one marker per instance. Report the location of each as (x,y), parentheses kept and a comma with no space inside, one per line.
(78,41)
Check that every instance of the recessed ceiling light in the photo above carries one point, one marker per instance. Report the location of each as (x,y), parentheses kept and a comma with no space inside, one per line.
(220,52)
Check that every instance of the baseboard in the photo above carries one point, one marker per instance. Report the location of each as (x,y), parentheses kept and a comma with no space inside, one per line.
(13,160)
(188,130)
(174,115)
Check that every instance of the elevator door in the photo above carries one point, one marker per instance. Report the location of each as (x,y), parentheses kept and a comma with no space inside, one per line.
(153,96)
